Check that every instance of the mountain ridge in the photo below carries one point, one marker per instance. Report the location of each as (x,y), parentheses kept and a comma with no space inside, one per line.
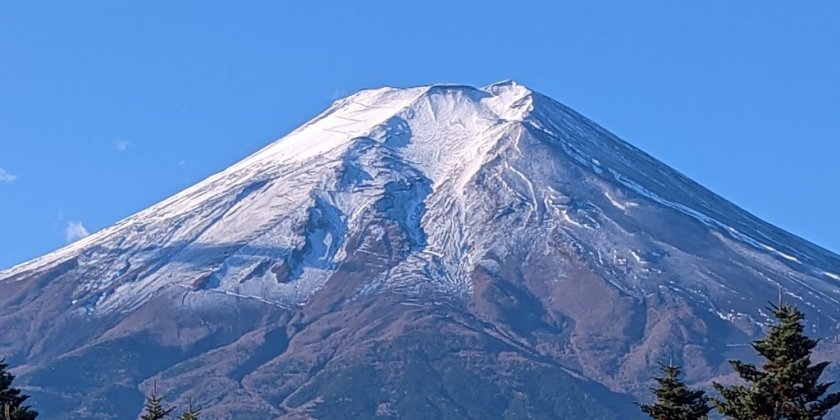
(417,230)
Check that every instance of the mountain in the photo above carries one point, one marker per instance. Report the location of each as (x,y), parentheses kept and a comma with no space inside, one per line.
(430,252)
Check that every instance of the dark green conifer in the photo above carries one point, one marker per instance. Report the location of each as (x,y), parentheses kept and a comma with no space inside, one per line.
(154,407)
(674,401)
(12,399)
(190,414)
(787,385)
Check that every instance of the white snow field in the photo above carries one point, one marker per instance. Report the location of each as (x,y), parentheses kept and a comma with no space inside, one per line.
(473,174)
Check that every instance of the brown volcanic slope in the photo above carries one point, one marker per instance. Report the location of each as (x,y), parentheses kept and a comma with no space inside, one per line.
(432,252)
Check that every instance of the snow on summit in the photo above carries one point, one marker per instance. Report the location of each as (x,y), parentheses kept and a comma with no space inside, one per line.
(440,132)
(467,176)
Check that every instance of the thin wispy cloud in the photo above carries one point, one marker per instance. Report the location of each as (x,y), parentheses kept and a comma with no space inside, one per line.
(6,176)
(75,231)
(121,145)
(338,94)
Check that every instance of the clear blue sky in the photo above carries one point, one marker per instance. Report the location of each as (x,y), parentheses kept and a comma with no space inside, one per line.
(107,107)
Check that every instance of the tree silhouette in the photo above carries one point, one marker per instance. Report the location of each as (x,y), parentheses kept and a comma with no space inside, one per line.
(787,385)
(674,401)
(11,398)
(154,409)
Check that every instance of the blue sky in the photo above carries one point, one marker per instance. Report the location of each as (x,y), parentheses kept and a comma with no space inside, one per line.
(108,107)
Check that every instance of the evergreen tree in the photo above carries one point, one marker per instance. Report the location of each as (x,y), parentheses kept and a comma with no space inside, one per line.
(154,407)
(787,385)
(674,401)
(190,414)
(11,399)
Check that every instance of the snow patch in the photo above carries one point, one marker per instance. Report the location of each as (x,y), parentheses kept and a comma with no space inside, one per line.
(617,204)
(832,275)
(781,254)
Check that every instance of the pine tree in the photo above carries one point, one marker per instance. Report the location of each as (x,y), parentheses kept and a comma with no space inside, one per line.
(154,407)
(11,399)
(674,401)
(787,385)
(190,414)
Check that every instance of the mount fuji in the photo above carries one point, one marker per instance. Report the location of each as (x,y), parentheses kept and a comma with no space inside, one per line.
(431,252)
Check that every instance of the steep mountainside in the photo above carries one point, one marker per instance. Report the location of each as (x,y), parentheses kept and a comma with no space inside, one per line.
(440,250)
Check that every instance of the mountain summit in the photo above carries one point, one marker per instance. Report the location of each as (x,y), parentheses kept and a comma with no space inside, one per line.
(442,250)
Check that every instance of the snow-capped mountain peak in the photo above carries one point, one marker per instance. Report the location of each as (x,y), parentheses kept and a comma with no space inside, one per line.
(439,133)
(445,163)
(481,228)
